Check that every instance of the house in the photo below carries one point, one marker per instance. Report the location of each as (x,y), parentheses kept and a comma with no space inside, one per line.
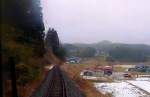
(92,72)
(73,60)
(108,70)
(140,68)
(97,71)
(87,72)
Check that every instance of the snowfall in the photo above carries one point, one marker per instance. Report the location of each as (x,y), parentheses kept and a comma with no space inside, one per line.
(139,87)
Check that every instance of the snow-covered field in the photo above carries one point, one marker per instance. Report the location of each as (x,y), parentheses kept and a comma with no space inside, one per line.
(90,77)
(145,85)
(143,79)
(135,88)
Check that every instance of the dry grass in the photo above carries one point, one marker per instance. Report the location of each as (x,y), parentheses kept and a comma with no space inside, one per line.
(28,89)
(24,91)
(51,58)
(94,61)
(119,69)
(85,86)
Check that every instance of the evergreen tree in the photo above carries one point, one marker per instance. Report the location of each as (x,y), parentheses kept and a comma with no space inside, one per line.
(52,40)
(26,15)
(22,37)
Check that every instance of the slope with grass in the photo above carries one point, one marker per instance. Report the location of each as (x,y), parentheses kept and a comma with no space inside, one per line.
(73,72)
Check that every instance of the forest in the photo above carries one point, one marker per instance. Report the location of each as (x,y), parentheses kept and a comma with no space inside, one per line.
(115,51)
(24,43)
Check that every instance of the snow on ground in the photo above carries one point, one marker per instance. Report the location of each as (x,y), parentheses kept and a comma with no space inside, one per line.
(49,67)
(143,79)
(120,89)
(90,77)
(145,85)
(148,75)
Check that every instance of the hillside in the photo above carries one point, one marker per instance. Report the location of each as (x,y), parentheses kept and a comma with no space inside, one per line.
(117,51)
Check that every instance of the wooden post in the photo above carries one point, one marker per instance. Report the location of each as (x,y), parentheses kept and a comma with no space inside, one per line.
(13,77)
(1,79)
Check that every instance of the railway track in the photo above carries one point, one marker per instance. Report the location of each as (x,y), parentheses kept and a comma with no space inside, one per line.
(52,85)
(57,85)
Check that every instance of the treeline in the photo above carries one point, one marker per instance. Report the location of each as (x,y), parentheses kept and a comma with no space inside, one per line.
(53,43)
(111,51)
(127,54)
(22,38)
(72,50)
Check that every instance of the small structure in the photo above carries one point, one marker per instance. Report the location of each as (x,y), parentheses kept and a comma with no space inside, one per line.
(141,68)
(73,60)
(106,69)
(148,70)
(87,72)
(99,71)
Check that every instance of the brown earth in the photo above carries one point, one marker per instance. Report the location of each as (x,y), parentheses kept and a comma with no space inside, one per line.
(73,72)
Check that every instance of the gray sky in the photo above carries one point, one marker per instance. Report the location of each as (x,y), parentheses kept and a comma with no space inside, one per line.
(89,21)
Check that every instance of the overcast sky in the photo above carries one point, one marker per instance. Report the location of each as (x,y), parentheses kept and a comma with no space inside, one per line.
(89,21)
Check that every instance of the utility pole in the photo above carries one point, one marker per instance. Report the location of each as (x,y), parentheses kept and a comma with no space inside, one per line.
(13,77)
(1,79)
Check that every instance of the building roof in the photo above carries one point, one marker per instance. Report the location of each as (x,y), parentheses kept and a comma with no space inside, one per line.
(100,68)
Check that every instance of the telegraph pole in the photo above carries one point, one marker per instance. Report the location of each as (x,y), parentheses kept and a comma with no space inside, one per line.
(13,77)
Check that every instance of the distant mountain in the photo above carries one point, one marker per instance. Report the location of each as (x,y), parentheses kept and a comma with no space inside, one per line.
(107,45)
(122,50)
